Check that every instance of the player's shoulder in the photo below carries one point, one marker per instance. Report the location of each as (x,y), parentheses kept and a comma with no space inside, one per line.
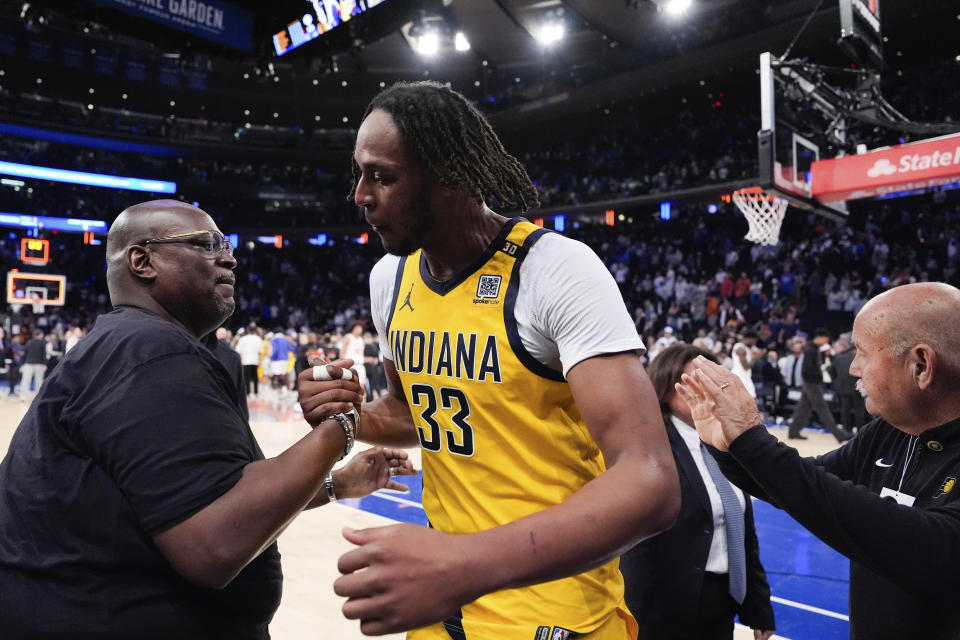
(129,337)
(561,251)
(388,262)
(384,272)
(385,268)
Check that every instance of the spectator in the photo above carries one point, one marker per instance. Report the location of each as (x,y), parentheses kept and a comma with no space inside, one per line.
(811,398)
(34,364)
(852,408)
(249,346)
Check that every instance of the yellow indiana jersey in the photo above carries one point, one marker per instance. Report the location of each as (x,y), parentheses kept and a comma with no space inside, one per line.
(500,433)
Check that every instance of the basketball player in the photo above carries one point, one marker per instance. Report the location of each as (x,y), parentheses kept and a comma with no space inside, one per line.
(512,361)
(742,357)
(888,499)
(352,347)
(134,500)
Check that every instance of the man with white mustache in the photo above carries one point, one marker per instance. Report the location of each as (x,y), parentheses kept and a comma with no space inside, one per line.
(887,499)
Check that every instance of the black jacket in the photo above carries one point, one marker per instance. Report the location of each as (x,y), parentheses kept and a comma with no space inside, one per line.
(35,352)
(904,560)
(810,366)
(663,575)
(843,382)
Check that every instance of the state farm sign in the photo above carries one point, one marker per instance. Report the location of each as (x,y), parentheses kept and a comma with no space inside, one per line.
(916,165)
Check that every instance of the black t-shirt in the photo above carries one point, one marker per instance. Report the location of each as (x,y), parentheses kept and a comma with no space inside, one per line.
(371,350)
(138,428)
(35,351)
(230,360)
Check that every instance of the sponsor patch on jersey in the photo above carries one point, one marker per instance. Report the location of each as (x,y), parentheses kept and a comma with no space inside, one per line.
(543,633)
(489,286)
(946,487)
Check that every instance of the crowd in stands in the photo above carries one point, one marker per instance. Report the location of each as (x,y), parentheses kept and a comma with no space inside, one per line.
(689,277)
(187,172)
(36,107)
(646,157)
(709,138)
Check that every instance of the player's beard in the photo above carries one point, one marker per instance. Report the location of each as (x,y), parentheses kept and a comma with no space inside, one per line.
(417,225)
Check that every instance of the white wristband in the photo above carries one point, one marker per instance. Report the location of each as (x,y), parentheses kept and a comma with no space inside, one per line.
(321,373)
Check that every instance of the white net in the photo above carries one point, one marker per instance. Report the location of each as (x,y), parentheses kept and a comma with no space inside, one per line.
(764,214)
(38,306)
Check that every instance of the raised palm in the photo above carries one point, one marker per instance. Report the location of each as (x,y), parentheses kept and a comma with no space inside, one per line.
(702,408)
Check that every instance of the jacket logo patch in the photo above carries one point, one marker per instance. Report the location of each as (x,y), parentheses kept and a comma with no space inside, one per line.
(946,487)
(489,286)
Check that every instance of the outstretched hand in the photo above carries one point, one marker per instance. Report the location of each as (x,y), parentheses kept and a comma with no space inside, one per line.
(372,470)
(720,405)
(403,577)
(320,399)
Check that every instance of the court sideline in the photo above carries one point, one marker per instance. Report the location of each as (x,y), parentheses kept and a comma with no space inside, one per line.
(808,583)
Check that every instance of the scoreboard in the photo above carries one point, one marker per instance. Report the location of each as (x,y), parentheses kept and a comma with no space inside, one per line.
(860,31)
(34,251)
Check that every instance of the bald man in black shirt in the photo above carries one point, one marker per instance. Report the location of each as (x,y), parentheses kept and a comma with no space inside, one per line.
(135,501)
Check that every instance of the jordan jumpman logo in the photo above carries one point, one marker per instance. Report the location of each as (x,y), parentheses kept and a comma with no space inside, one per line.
(406,302)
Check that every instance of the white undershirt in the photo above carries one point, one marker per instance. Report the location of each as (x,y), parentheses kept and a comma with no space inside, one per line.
(717,558)
(249,348)
(568,306)
(738,369)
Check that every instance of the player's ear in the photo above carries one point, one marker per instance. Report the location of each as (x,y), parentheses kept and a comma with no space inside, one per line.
(140,264)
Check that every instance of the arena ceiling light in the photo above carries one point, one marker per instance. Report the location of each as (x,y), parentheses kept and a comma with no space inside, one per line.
(677,7)
(428,43)
(460,41)
(549,33)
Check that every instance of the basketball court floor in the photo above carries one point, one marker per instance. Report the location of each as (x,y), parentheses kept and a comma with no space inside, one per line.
(807,579)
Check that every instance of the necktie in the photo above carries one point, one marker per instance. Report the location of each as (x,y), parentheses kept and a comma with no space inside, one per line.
(796,364)
(733,522)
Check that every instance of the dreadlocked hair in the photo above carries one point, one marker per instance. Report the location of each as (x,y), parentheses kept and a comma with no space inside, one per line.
(454,142)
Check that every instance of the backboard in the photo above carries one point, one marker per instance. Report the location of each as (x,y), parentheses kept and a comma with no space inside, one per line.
(800,124)
(820,145)
(36,288)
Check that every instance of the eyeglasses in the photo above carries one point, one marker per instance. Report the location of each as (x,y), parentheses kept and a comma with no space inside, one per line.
(209,241)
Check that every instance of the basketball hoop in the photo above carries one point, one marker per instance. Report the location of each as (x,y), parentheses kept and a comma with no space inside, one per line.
(764,214)
(37,304)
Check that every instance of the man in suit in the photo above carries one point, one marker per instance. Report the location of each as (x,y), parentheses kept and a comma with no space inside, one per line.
(811,400)
(678,584)
(853,411)
(887,499)
(769,384)
(791,363)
